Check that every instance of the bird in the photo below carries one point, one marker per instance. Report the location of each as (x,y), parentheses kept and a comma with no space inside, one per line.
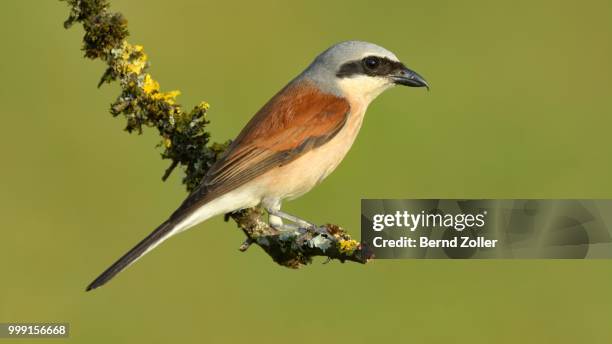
(290,145)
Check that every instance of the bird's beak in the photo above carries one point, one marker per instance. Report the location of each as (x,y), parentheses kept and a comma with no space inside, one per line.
(409,77)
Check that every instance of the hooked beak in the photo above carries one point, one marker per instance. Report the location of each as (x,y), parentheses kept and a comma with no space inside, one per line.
(409,77)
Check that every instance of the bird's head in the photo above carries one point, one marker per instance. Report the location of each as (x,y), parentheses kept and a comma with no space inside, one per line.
(360,71)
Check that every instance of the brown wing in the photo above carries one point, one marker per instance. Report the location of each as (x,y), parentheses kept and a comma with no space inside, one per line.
(294,121)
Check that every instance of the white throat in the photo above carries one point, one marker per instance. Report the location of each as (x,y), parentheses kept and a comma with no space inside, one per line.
(363,89)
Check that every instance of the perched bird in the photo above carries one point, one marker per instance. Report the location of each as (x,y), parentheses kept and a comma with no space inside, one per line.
(289,146)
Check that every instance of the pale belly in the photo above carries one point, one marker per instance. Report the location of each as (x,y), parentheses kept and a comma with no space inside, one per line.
(301,175)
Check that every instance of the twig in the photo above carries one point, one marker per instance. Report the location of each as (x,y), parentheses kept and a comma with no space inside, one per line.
(169,170)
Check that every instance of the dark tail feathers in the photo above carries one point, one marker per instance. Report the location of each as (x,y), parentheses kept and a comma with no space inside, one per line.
(158,234)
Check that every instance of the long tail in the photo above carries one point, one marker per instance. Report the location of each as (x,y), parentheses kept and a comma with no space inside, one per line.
(156,237)
(198,207)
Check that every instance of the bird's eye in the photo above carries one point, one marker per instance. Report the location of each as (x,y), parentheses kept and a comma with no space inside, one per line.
(371,62)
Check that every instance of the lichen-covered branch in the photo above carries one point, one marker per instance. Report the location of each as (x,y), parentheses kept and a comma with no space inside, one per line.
(184,138)
(296,248)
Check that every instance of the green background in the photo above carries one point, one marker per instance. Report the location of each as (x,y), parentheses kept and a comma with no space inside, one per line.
(519,108)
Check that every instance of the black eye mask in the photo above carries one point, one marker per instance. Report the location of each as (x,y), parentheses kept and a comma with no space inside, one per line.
(365,66)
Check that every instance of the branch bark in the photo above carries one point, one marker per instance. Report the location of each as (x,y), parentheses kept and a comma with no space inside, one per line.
(184,137)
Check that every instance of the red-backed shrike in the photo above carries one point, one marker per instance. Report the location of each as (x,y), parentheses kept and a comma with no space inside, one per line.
(289,146)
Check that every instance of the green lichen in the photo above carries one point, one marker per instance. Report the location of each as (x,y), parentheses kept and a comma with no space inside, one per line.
(184,136)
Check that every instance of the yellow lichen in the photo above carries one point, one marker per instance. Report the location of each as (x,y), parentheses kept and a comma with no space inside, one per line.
(133,59)
(126,52)
(204,105)
(348,246)
(137,66)
(149,85)
(168,97)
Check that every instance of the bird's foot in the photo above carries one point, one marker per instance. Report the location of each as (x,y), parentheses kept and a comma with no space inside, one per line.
(285,227)
(276,221)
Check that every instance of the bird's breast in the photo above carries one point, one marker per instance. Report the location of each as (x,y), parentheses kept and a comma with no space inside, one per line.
(299,176)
